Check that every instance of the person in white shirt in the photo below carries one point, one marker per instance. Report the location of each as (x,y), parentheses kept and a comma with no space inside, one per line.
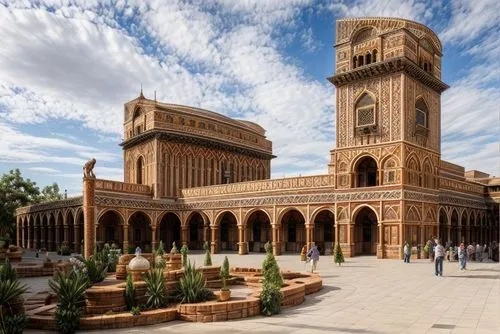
(438,260)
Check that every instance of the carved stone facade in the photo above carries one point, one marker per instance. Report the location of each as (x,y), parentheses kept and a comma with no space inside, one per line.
(192,175)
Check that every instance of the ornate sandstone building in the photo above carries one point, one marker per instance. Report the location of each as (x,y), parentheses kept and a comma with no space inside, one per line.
(192,175)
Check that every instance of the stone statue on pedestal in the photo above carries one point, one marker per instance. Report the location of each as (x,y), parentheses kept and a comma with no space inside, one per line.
(88,169)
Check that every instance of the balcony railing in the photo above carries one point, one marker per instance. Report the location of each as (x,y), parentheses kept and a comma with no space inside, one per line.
(116,186)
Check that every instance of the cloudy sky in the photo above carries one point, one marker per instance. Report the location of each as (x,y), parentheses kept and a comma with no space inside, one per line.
(68,66)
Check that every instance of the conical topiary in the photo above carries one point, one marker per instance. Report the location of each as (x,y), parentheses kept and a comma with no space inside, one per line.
(338,256)
(208,258)
(184,252)
(270,269)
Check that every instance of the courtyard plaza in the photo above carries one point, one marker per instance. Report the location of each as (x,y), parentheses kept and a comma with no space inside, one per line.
(364,295)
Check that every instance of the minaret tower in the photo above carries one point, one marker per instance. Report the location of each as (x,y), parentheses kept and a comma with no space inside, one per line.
(388,121)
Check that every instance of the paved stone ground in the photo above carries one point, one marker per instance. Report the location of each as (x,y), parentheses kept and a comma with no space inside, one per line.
(366,295)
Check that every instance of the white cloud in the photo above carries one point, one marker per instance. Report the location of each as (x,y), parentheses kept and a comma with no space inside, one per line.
(47,170)
(408,9)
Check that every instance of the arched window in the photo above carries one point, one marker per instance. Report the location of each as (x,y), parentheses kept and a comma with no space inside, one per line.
(360,61)
(374,56)
(140,171)
(365,111)
(413,173)
(368,58)
(366,173)
(354,62)
(428,177)
(421,113)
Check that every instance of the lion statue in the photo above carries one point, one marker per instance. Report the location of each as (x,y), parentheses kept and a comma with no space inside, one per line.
(88,169)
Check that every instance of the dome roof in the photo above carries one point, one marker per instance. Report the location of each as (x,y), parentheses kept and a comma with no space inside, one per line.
(139,263)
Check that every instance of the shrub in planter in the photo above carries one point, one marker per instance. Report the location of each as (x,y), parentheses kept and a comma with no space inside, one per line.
(338,256)
(11,292)
(70,290)
(135,310)
(225,293)
(270,299)
(155,288)
(130,293)
(158,260)
(270,269)
(208,258)
(109,255)
(14,324)
(191,287)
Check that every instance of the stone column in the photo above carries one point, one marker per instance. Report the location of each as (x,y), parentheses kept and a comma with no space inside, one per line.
(184,234)
(309,236)
(215,239)
(30,238)
(50,242)
(23,237)
(380,244)
(18,233)
(276,240)
(154,238)
(206,233)
(125,239)
(77,238)
(36,241)
(66,233)
(58,235)
(89,232)
(242,244)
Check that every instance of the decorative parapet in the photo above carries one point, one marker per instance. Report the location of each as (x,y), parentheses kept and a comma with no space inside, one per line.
(116,186)
(461,186)
(60,204)
(293,183)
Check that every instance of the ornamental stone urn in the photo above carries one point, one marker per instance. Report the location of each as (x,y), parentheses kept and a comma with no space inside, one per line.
(137,267)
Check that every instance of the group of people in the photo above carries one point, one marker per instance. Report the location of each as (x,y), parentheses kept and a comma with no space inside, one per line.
(473,252)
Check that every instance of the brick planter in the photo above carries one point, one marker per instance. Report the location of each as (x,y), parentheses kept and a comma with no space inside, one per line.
(102,299)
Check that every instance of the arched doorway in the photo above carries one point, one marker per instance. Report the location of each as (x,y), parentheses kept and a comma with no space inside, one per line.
(228,232)
(472,228)
(140,232)
(365,232)
(195,231)
(45,233)
(79,235)
(463,228)
(259,231)
(170,231)
(140,171)
(109,229)
(324,231)
(52,233)
(38,233)
(293,231)
(443,225)
(454,227)
(31,232)
(366,173)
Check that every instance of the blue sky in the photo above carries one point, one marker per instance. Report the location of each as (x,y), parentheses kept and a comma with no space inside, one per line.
(67,68)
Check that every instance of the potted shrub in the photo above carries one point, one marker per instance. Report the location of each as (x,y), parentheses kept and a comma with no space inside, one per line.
(225,293)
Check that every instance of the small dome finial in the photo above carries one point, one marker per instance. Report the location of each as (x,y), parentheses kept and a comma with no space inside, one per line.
(141,95)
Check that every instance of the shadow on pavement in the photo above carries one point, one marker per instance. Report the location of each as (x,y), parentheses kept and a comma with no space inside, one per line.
(477,276)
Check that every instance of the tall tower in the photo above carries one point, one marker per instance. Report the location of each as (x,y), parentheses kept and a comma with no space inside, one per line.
(388,80)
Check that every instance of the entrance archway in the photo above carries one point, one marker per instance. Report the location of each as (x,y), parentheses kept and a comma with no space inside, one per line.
(109,229)
(366,173)
(259,231)
(454,228)
(365,232)
(140,232)
(324,231)
(228,232)
(170,231)
(52,234)
(195,231)
(293,231)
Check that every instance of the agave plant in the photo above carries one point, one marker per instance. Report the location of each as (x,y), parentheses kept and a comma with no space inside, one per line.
(191,287)
(95,270)
(70,290)
(10,292)
(155,288)
(7,272)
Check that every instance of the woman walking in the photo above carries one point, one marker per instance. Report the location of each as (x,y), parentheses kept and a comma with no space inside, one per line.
(462,257)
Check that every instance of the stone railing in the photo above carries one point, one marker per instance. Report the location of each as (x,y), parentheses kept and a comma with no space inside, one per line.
(292,183)
(116,186)
(59,204)
(451,184)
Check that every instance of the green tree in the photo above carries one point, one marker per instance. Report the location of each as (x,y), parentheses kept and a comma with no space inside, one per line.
(338,256)
(51,193)
(15,192)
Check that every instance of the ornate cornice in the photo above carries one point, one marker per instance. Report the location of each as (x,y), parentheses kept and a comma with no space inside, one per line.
(392,65)
(192,138)
(60,204)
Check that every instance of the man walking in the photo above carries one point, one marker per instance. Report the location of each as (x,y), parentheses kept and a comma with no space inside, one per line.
(407,252)
(313,256)
(438,258)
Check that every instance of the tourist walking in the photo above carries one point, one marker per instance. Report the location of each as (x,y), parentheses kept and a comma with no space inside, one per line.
(462,257)
(313,256)
(303,256)
(470,252)
(438,258)
(407,252)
